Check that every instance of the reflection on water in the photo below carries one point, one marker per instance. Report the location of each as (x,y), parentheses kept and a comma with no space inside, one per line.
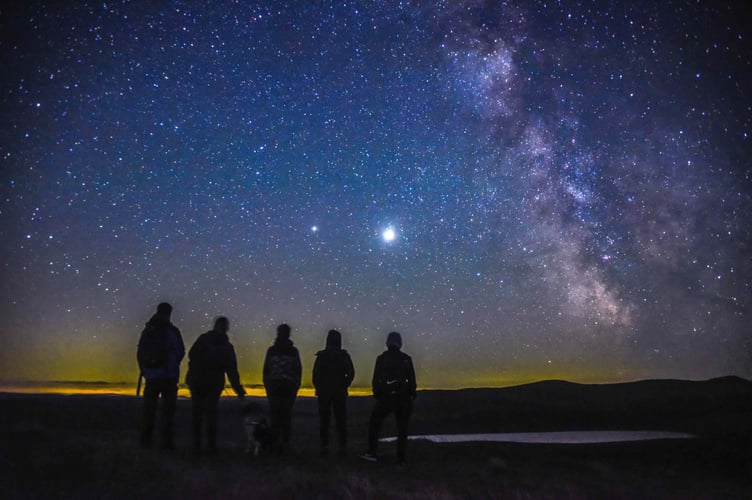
(564,437)
(123,389)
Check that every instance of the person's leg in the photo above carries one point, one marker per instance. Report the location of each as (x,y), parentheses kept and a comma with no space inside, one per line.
(169,390)
(325,403)
(151,394)
(340,416)
(288,402)
(198,401)
(379,413)
(402,412)
(212,402)
(275,417)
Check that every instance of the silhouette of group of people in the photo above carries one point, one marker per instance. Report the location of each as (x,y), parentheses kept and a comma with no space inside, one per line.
(212,358)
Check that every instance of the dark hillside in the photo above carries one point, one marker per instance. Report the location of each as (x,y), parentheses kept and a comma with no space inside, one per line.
(715,407)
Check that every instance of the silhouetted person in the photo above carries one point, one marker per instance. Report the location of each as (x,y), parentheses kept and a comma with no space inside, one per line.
(282,371)
(160,351)
(332,374)
(210,358)
(394,388)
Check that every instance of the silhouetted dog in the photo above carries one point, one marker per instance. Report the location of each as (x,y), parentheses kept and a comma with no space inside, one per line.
(257,432)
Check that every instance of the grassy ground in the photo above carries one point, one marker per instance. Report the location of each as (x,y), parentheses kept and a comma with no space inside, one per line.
(85,447)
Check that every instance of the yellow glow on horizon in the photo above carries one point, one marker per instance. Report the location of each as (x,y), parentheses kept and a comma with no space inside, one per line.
(130,390)
(113,365)
(122,389)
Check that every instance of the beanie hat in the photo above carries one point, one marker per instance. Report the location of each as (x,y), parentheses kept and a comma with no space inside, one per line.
(221,323)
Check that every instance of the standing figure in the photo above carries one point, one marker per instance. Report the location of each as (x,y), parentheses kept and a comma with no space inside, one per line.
(332,374)
(160,351)
(394,388)
(210,358)
(282,372)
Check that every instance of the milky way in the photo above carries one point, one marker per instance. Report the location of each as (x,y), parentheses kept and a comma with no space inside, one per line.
(524,190)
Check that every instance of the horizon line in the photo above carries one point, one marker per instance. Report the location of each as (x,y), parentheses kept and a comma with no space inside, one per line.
(103,383)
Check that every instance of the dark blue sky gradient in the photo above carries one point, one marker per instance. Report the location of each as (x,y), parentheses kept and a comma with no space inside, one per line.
(568,183)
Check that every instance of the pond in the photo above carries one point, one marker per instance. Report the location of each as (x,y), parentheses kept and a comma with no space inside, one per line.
(559,437)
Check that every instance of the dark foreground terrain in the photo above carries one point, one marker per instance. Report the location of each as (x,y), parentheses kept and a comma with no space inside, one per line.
(85,447)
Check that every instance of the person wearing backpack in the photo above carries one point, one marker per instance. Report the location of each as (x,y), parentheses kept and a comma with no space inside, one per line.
(211,357)
(160,351)
(332,374)
(394,388)
(282,373)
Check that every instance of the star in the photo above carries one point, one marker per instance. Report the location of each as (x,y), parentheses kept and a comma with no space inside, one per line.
(389,234)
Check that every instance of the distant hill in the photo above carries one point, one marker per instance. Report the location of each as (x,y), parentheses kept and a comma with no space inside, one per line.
(721,406)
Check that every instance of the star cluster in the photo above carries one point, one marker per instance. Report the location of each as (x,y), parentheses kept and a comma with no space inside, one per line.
(525,190)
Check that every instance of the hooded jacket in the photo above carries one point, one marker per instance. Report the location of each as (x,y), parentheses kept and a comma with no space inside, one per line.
(394,375)
(282,365)
(333,370)
(174,346)
(210,358)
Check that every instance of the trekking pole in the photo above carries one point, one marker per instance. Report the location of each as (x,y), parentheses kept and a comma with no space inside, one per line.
(138,386)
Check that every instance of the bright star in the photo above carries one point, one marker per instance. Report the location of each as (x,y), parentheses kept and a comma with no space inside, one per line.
(389,234)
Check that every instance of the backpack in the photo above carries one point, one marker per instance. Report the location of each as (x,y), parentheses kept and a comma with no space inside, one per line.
(152,348)
(281,367)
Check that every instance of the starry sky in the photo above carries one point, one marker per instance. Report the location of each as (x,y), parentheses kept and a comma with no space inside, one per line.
(525,190)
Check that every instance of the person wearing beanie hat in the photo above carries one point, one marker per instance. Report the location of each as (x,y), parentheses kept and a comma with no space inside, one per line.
(332,374)
(394,388)
(282,373)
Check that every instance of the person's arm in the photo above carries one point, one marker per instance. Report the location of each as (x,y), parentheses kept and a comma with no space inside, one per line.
(180,345)
(138,350)
(349,370)
(232,372)
(298,368)
(193,353)
(265,371)
(376,382)
(316,374)
(411,382)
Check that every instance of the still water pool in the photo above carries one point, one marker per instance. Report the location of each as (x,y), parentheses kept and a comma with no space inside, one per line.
(559,437)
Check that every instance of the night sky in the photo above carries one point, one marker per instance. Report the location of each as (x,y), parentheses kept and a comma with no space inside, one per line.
(525,190)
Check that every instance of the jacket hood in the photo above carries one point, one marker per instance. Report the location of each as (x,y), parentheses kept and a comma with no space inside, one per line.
(334,340)
(282,342)
(217,337)
(394,341)
(158,320)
